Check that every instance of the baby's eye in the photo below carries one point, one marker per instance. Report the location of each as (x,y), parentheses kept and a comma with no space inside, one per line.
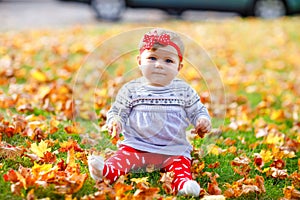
(169,61)
(151,58)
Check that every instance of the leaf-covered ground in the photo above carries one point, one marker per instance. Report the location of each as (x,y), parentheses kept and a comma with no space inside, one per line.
(54,95)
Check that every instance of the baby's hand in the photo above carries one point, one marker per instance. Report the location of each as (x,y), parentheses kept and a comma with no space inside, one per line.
(114,129)
(203,126)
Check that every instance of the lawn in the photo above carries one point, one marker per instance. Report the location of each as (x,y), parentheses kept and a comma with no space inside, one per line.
(56,86)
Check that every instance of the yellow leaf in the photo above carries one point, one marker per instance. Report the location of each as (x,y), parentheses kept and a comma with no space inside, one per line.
(266,155)
(140,180)
(214,149)
(277,115)
(38,75)
(114,132)
(71,158)
(275,138)
(40,149)
(44,168)
(22,179)
(214,197)
(43,91)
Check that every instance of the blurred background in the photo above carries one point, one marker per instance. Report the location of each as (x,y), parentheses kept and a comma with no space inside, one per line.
(26,14)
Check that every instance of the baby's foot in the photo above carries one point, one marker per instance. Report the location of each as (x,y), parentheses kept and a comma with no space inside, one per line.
(191,188)
(96,165)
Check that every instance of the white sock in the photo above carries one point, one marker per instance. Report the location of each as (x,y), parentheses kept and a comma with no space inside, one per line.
(191,188)
(96,165)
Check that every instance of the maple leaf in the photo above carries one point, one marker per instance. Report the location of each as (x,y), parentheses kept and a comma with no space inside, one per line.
(143,180)
(75,128)
(71,159)
(213,197)
(61,165)
(48,157)
(70,144)
(10,152)
(145,192)
(277,115)
(215,150)
(278,173)
(214,165)
(249,189)
(11,175)
(30,195)
(197,167)
(245,186)
(259,182)
(213,186)
(232,150)
(167,179)
(258,161)
(229,142)
(40,169)
(105,190)
(241,165)
(38,75)
(290,193)
(296,179)
(278,163)
(275,138)
(40,149)
(73,183)
(121,190)
(266,155)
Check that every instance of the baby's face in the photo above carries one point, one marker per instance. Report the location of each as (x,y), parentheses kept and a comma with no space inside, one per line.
(159,66)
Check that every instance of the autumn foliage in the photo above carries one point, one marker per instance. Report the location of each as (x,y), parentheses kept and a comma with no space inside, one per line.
(47,130)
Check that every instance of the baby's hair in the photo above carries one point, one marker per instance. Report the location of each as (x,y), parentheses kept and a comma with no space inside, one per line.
(174,37)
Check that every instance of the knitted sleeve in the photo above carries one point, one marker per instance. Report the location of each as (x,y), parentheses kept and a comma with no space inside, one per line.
(194,107)
(120,109)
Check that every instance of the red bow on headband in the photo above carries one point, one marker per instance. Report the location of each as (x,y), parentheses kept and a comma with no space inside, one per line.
(150,40)
(163,39)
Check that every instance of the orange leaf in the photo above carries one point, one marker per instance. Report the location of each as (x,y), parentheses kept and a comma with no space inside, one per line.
(74,129)
(291,193)
(70,144)
(214,165)
(167,179)
(11,175)
(296,179)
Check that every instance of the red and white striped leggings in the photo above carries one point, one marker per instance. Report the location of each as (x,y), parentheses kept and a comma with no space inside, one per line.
(129,159)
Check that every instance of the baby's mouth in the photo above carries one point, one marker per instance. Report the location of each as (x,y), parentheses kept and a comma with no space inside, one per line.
(158,73)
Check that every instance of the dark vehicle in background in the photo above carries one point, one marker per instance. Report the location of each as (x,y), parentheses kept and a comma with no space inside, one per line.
(113,9)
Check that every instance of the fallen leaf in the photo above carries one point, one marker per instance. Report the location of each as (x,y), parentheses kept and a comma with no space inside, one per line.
(290,193)
(143,180)
(167,179)
(40,149)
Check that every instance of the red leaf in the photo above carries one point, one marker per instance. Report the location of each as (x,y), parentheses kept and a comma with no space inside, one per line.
(11,176)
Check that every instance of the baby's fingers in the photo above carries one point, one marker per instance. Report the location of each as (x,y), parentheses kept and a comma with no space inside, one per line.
(204,125)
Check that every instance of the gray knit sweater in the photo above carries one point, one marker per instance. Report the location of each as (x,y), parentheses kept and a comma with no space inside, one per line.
(154,119)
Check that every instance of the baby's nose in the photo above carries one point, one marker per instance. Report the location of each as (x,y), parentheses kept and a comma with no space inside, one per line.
(158,64)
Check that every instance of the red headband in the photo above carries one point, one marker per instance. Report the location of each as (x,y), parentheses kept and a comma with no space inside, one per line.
(163,39)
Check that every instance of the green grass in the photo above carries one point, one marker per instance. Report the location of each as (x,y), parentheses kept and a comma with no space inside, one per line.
(273,186)
(222,45)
